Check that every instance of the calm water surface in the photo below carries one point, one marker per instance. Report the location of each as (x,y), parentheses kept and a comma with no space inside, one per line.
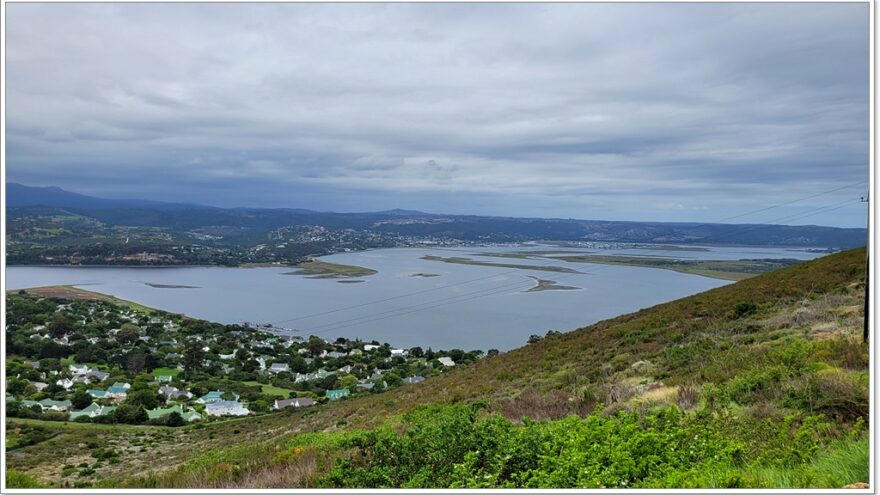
(464,306)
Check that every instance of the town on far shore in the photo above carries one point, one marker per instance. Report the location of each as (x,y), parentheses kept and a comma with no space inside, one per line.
(91,360)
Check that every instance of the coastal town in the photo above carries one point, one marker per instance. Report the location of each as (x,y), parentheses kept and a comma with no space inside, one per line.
(106,362)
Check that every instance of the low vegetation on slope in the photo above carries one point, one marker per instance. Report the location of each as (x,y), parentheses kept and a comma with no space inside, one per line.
(763,383)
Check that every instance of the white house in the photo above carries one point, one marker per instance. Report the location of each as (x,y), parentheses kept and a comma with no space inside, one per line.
(297,402)
(65,382)
(226,408)
(371,347)
(79,369)
(279,368)
(398,352)
(446,361)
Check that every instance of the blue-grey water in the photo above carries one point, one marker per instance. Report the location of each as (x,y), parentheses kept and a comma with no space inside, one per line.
(464,306)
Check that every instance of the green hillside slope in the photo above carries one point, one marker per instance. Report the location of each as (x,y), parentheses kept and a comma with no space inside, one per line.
(761,383)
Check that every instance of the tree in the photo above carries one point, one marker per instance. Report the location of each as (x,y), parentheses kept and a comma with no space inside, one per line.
(81,400)
(135,362)
(174,419)
(128,333)
(193,355)
(130,414)
(61,324)
(492,352)
(315,345)
(392,379)
(416,352)
(146,398)
(15,386)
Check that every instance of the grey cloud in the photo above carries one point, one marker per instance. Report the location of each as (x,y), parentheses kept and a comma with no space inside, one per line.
(531,109)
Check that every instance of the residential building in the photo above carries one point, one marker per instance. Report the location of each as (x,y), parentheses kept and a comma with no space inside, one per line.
(279,368)
(337,394)
(226,408)
(297,402)
(93,410)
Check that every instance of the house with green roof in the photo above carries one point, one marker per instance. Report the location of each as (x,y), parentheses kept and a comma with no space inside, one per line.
(187,414)
(55,405)
(91,411)
(337,394)
(212,396)
(97,393)
(117,392)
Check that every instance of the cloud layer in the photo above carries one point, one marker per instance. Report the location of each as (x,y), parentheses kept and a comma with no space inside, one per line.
(627,111)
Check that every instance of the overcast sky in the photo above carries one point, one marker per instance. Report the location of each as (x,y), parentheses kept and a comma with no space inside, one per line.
(680,112)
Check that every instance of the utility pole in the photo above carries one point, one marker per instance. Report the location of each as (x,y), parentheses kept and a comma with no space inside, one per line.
(867,275)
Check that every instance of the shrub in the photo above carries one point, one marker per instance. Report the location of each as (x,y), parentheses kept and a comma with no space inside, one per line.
(18,479)
(744,308)
(454,446)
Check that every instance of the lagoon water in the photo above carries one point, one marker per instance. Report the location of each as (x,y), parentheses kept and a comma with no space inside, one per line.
(463,306)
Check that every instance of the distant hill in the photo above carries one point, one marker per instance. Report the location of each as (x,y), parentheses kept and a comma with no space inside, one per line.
(26,201)
(19,195)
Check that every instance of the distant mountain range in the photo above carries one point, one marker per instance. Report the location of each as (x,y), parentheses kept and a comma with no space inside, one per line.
(253,225)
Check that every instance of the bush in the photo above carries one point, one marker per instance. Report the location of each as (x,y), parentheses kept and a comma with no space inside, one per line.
(744,308)
(18,479)
(452,446)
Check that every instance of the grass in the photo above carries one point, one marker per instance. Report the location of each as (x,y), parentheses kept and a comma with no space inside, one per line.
(323,269)
(166,372)
(271,389)
(542,285)
(842,463)
(71,292)
(723,269)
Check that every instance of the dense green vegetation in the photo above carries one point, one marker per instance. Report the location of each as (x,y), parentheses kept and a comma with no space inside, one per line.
(762,383)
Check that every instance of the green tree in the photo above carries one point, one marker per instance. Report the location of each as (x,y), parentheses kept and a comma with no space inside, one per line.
(174,419)
(193,355)
(81,400)
(315,345)
(145,397)
(130,414)
(61,324)
(128,333)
